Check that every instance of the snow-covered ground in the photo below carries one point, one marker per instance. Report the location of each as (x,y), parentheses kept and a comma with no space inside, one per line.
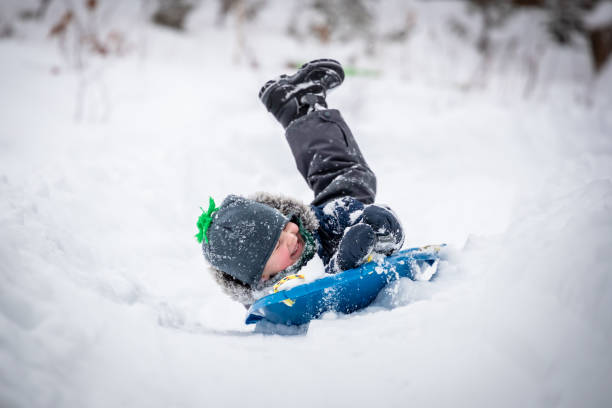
(105,299)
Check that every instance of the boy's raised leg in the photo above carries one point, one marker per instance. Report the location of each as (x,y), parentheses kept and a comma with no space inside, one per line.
(323,146)
(329,158)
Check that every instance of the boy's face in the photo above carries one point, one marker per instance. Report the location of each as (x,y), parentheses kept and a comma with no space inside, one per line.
(288,250)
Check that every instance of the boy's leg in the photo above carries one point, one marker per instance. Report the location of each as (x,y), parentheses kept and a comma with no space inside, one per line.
(324,149)
(329,158)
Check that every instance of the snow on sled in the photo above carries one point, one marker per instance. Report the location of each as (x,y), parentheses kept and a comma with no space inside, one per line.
(344,292)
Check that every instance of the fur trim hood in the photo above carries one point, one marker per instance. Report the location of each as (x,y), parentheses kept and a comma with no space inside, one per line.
(287,206)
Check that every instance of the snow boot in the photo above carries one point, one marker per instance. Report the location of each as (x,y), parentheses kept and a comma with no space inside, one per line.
(291,97)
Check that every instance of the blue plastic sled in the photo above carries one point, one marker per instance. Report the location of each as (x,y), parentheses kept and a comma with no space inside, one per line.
(344,292)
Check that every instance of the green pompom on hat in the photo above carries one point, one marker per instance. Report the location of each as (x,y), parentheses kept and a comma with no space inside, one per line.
(204,221)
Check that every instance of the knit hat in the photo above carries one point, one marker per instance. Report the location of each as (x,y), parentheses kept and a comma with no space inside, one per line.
(239,237)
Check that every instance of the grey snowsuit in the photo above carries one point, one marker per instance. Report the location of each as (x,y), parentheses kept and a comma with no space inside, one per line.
(329,158)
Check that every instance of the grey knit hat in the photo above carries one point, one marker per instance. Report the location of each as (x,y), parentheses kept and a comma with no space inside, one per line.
(242,236)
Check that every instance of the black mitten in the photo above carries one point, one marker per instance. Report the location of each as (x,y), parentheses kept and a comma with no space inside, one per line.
(355,246)
(385,224)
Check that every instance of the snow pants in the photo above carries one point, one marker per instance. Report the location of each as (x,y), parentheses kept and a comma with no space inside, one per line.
(329,158)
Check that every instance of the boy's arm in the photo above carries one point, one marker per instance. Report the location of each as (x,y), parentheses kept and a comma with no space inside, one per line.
(354,231)
(329,158)
(356,245)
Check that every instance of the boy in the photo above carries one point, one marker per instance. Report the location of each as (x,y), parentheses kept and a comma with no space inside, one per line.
(253,242)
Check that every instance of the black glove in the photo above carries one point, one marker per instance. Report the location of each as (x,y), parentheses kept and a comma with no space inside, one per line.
(355,246)
(389,232)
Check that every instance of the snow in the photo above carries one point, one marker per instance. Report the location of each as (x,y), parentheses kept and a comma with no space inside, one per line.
(601,15)
(105,298)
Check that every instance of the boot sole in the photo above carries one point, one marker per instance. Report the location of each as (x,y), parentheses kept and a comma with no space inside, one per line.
(304,73)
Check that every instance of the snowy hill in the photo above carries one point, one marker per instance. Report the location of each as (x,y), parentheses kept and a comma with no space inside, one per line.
(105,298)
